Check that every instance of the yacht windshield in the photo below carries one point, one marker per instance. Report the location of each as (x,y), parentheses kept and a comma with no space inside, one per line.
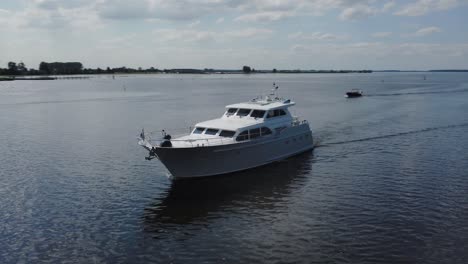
(231,111)
(243,112)
(198,130)
(211,131)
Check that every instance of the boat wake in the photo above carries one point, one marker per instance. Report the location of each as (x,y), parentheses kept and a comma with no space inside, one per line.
(326,144)
(418,93)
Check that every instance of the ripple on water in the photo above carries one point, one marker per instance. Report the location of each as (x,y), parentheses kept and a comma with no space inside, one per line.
(386,184)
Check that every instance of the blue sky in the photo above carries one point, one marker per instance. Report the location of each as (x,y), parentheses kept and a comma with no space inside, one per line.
(265,34)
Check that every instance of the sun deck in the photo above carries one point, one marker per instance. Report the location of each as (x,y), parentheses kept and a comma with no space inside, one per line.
(231,123)
(265,105)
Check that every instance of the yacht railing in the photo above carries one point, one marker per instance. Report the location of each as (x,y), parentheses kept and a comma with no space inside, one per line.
(157,138)
(297,121)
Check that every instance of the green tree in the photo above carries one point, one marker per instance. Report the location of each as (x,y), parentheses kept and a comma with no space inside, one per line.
(12,68)
(246,69)
(22,68)
(44,68)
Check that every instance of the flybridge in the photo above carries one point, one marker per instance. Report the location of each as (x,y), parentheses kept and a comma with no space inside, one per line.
(269,102)
(264,105)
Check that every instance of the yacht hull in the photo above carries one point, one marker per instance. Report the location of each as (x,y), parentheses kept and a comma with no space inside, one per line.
(222,159)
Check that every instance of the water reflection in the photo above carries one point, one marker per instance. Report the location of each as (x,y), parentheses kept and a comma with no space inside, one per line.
(200,200)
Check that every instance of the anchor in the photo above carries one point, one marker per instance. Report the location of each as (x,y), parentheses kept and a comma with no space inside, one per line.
(151,154)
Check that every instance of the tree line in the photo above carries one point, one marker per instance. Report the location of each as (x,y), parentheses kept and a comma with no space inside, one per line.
(58,68)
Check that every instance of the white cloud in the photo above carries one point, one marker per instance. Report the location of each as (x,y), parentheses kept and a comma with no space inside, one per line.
(123,10)
(422,7)
(251,10)
(388,6)
(316,36)
(78,15)
(426,49)
(411,49)
(357,12)
(56,4)
(127,41)
(315,6)
(299,48)
(194,24)
(364,45)
(264,16)
(191,35)
(378,55)
(249,32)
(167,35)
(427,31)
(271,10)
(96,30)
(59,13)
(381,34)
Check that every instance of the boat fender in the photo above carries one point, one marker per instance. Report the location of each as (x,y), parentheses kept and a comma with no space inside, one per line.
(166,144)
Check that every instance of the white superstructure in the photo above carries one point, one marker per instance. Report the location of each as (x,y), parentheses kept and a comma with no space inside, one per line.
(247,135)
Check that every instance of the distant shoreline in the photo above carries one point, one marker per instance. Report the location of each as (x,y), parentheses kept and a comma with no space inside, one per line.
(86,73)
(51,70)
(36,77)
(448,70)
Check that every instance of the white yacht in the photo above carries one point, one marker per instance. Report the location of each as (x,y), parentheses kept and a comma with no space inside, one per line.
(248,135)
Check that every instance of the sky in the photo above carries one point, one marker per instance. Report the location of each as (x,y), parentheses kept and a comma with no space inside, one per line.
(227,34)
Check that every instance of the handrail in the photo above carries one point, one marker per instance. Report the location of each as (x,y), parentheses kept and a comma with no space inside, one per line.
(196,142)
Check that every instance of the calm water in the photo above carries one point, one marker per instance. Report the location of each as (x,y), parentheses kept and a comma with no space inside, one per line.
(387,183)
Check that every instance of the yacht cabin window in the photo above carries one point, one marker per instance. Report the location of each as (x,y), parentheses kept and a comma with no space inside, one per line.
(211,131)
(243,112)
(243,136)
(231,111)
(266,131)
(275,113)
(198,130)
(227,133)
(257,113)
(254,133)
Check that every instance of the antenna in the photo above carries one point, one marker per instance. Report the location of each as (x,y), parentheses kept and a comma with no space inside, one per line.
(275,88)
